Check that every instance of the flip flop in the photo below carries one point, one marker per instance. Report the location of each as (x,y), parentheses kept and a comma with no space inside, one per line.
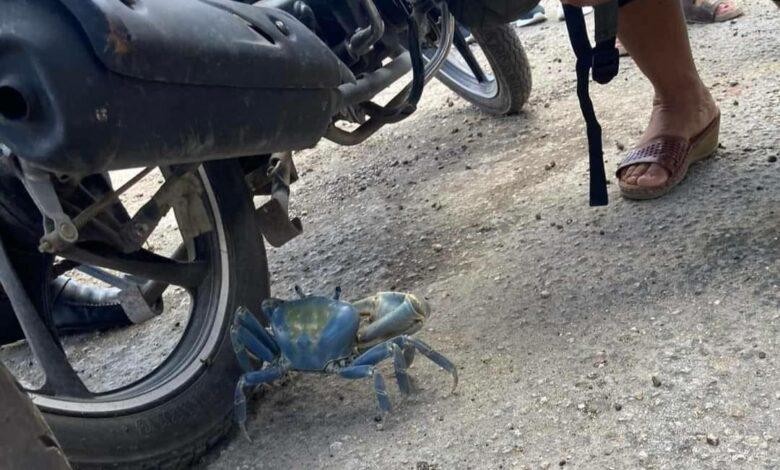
(706,11)
(674,153)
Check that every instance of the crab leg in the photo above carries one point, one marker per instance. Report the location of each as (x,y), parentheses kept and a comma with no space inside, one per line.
(436,357)
(251,380)
(365,371)
(383,351)
(246,333)
(409,353)
(250,322)
(268,306)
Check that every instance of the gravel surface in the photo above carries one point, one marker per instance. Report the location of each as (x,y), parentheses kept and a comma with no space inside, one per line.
(636,335)
(639,335)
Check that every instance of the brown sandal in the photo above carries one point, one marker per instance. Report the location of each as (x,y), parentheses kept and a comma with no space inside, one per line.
(675,154)
(706,11)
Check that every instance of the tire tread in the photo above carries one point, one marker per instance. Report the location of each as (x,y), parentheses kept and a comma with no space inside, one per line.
(507,57)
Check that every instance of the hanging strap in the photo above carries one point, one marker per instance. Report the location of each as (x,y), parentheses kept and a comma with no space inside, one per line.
(604,60)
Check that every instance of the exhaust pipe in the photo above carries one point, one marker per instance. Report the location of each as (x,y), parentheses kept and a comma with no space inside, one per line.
(88,85)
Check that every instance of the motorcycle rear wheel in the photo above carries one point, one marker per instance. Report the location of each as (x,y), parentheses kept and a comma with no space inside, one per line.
(169,418)
(502,92)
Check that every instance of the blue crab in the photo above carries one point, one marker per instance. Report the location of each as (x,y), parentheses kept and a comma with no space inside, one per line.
(329,336)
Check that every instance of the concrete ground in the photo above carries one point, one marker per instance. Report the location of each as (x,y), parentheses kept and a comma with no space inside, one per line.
(639,335)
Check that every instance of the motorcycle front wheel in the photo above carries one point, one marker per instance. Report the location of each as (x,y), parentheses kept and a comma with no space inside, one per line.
(492,73)
(181,404)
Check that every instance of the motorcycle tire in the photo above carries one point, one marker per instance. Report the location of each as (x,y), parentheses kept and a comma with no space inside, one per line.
(482,13)
(511,70)
(175,430)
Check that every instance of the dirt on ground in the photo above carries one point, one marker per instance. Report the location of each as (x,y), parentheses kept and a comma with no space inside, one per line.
(638,335)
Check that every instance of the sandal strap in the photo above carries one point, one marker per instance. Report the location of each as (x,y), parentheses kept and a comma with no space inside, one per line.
(667,151)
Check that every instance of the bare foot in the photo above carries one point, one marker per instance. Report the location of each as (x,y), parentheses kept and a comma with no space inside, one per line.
(684,119)
(700,11)
(724,9)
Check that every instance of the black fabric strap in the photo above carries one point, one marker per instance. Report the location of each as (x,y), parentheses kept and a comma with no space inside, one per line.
(606,58)
(604,61)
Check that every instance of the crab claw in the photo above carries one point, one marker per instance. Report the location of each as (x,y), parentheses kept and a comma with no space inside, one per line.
(390,314)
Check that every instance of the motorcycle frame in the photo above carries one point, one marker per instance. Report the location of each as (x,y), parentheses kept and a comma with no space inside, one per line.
(360,63)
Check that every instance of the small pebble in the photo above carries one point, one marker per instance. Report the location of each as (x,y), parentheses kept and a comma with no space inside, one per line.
(656,381)
(545,294)
(713,440)
(771,158)
(437,247)
(761,355)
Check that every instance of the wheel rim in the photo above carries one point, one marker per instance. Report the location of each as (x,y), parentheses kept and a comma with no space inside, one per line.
(194,349)
(467,69)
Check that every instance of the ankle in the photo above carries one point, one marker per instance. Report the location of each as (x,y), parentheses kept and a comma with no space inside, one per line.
(692,96)
(680,115)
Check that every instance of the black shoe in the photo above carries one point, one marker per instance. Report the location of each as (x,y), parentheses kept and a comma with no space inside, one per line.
(77,309)
(84,309)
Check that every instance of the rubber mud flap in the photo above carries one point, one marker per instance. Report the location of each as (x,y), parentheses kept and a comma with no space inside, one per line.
(482,13)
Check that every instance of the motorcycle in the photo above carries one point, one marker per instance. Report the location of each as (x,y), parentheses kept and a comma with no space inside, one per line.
(209,98)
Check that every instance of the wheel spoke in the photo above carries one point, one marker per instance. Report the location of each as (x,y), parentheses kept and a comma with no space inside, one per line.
(468,55)
(153,290)
(61,379)
(142,263)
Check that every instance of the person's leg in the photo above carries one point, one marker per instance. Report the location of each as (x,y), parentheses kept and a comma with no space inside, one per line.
(655,34)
